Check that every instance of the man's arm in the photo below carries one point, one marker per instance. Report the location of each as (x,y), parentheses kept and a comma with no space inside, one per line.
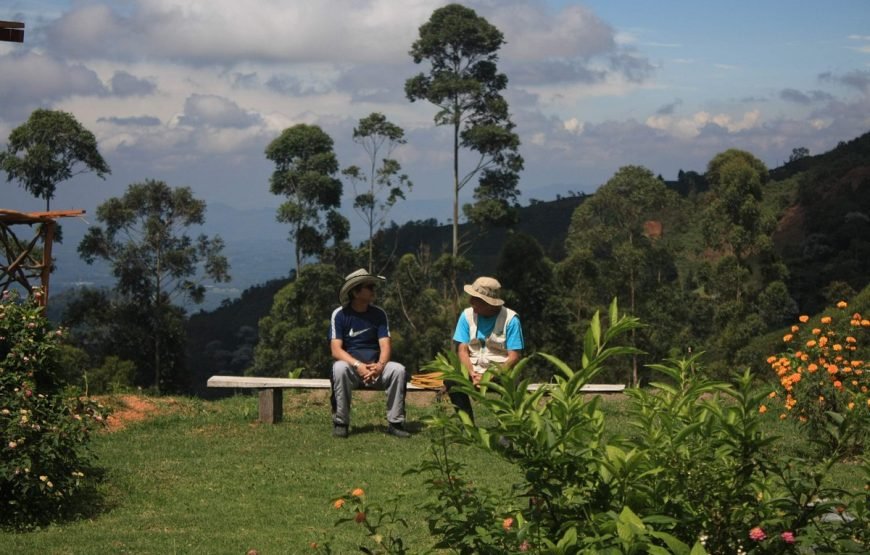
(464,354)
(336,346)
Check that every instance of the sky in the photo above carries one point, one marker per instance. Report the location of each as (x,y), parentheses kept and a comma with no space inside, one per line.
(191,91)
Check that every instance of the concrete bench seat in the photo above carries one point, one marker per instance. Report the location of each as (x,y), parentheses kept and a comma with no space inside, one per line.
(272,399)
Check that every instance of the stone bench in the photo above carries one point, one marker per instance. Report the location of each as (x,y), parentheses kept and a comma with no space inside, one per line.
(271,390)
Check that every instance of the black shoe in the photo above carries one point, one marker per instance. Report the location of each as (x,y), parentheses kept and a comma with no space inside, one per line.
(398,430)
(339,431)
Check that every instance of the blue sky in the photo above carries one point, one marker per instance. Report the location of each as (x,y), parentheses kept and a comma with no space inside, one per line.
(191,91)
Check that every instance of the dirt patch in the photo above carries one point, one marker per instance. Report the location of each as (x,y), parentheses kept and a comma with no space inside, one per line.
(130,408)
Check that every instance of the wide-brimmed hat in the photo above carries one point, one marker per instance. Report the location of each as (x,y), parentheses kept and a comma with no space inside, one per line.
(486,289)
(359,277)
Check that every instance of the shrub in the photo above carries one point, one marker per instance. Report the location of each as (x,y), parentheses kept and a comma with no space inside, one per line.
(824,369)
(44,455)
(693,473)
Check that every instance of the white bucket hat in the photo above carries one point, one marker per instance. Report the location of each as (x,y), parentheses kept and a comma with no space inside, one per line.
(486,289)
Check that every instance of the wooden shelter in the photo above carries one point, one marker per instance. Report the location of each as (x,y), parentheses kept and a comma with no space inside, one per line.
(27,262)
(11,31)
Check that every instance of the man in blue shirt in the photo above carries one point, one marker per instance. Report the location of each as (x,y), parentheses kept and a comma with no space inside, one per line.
(488,336)
(359,339)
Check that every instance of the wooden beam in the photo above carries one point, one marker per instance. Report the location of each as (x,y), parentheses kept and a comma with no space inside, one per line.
(11,31)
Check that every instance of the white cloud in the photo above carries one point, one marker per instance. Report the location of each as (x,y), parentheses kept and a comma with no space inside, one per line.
(693,126)
(574,125)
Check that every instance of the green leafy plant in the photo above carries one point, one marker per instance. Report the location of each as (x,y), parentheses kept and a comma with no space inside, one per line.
(43,456)
(693,472)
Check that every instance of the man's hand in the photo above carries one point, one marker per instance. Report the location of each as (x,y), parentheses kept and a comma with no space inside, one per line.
(475,378)
(370,372)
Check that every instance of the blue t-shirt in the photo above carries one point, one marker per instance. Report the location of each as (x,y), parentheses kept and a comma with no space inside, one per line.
(485,325)
(360,332)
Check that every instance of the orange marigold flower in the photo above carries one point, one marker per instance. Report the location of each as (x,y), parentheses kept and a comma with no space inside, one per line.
(772,394)
(507,523)
(812,368)
(865,323)
(856,363)
(851,339)
(771,359)
(795,329)
(762,409)
(787,337)
(838,384)
(804,318)
(833,369)
(811,343)
(826,320)
(339,503)
(804,357)
(837,347)
(816,331)
(823,341)
(842,304)
(358,492)
(856,316)
(782,416)
(855,382)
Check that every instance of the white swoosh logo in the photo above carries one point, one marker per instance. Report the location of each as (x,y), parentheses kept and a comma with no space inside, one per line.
(358,332)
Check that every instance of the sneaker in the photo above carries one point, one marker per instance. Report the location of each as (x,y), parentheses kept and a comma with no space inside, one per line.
(339,431)
(397,430)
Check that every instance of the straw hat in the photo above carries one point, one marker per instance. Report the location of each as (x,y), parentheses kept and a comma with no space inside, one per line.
(485,289)
(353,279)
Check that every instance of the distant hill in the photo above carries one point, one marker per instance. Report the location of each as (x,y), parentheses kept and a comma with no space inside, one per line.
(822,204)
(222,340)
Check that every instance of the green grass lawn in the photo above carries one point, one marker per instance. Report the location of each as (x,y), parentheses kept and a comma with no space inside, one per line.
(206,477)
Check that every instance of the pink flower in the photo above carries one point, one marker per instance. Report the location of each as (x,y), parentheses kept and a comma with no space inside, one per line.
(787,537)
(757,534)
(525,546)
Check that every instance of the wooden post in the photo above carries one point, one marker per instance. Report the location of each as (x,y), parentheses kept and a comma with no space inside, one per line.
(271,405)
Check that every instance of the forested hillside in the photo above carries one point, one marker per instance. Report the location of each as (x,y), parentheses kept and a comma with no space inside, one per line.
(718,261)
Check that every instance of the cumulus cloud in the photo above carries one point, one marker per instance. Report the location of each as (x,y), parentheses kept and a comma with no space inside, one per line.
(703,122)
(30,80)
(215,111)
(125,84)
(227,31)
(857,79)
(136,121)
(669,109)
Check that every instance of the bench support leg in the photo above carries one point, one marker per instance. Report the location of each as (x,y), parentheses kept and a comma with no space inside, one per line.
(271,405)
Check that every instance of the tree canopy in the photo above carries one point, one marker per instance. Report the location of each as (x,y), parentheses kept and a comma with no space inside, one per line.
(51,147)
(305,168)
(144,240)
(463,82)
